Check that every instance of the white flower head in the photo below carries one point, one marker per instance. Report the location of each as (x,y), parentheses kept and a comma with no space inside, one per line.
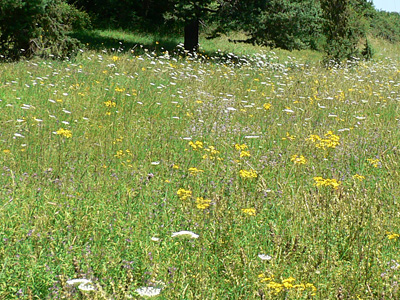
(148,291)
(86,287)
(155,239)
(78,281)
(185,233)
(264,256)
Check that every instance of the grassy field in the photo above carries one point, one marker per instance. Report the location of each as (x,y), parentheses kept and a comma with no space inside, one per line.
(282,175)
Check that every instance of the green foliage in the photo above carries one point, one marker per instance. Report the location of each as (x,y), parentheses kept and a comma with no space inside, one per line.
(343,28)
(386,25)
(38,27)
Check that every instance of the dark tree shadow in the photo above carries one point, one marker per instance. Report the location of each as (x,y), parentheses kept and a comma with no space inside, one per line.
(94,41)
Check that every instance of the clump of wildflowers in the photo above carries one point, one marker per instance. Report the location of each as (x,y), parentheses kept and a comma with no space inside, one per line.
(248,174)
(64,132)
(374,162)
(202,203)
(358,177)
(298,160)
(392,235)
(286,285)
(330,140)
(184,194)
(249,211)
(319,181)
(195,171)
(196,145)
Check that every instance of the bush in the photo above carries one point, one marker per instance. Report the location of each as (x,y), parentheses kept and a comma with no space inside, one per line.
(38,27)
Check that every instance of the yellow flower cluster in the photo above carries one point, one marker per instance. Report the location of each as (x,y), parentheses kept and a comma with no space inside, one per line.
(374,162)
(184,194)
(330,141)
(110,103)
(64,132)
(359,177)
(392,235)
(319,181)
(298,160)
(196,145)
(202,203)
(194,171)
(240,147)
(248,174)
(286,285)
(267,106)
(249,211)
(212,153)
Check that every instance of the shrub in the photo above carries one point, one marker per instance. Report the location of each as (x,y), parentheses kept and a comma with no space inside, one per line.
(38,27)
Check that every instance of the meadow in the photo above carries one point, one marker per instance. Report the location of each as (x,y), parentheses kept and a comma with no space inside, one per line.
(149,173)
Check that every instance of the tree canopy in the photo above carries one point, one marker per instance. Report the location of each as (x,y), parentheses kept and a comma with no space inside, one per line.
(337,27)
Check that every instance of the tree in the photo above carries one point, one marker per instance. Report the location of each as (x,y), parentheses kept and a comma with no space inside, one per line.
(343,29)
(29,27)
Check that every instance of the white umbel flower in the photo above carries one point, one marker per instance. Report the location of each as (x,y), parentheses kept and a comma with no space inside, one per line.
(185,233)
(148,291)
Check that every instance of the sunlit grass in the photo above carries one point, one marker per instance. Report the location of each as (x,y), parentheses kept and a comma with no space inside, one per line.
(242,177)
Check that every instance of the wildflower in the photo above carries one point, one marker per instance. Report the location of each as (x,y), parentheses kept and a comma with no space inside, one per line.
(359,177)
(249,211)
(267,106)
(110,103)
(374,162)
(298,160)
(64,132)
(289,137)
(155,239)
(83,284)
(264,257)
(240,147)
(319,181)
(202,203)
(184,194)
(330,141)
(148,291)
(392,236)
(196,145)
(194,171)
(119,154)
(248,174)
(245,154)
(115,58)
(185,233)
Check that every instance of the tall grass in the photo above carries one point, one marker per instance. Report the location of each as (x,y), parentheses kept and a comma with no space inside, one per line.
(286,171)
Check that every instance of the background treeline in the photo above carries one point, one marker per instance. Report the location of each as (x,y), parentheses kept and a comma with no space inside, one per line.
(339,27)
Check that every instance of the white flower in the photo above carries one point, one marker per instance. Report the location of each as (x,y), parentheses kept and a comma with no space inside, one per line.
(155,163)
(185,233)
(82,283)
(78,281)
(148,291)
(86,287)
(264,256)
(155,239)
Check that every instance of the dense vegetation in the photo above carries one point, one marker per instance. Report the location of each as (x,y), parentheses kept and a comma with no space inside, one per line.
(138,169)
(340,28)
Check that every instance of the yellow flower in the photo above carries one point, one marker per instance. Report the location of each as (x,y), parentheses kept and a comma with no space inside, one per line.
(110,103)
(202,203)
(298,160)
(359,177)
(240,147)
(64,132)
(196,145)
(249,211)
(119,154)
(319,181)
(115,58)
(245,154)
(248,174)
(330,140)
(373,162)
(184,194)
(267,106)
(194,171)
(392,235)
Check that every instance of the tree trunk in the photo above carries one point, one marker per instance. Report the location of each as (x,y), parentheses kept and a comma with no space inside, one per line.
(192,35)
